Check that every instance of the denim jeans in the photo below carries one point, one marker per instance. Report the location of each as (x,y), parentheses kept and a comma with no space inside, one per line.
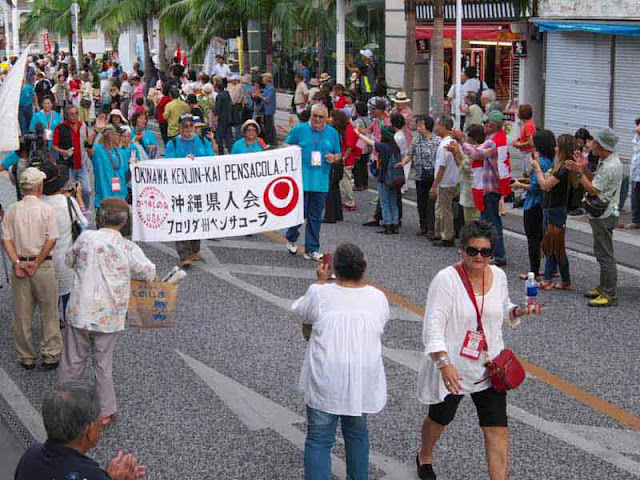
(313,208)
(321,434)
(24,117)
(81,175)
(389,204)
(555,216)
(635,202)
(491,214)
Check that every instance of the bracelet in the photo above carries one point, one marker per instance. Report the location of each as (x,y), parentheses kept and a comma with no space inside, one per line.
(443,361)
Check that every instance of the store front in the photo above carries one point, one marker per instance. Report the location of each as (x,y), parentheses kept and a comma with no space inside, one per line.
(489,31)
(590,69)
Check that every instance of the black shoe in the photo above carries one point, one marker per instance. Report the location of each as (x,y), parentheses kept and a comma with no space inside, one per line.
(444,243)
(435,238)
(576,212)
(45,367)
(420,234)
(28,366)
(425,472)
(371,223)
(395,229)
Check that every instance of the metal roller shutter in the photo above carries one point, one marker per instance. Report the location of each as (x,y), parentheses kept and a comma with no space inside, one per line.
(578,82)
(626,98)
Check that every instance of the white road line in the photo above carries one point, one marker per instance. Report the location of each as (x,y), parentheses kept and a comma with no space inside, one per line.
(29,416)
(412,360)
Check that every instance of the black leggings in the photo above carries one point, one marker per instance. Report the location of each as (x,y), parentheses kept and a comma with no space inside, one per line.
(490,405)
(534,231)
(426,205)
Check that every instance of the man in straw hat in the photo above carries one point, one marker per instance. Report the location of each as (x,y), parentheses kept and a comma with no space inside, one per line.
(268,97)
(104,262)
(30,233)
(604,184)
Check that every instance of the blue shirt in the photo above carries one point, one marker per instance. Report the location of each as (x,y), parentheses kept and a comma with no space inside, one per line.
(535,194)
(148,139)
(270,105)
(53,460)
(241,146)
(306,75)
(107,165)
(179,148)
(26,95)
(50,121)
(315,179)
(10,160)
(248,88)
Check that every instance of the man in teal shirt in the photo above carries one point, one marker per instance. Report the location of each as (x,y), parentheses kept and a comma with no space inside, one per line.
(25,110)
(320,144)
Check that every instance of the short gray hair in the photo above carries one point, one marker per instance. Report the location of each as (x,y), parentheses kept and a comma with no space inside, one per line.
(319,106)
(111,219)
(68,410)
(489,94)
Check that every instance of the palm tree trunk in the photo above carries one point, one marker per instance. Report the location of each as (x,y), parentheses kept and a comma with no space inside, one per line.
(245,46)
(410,47)
(437,50)
(269,47)
(162,49)
(149,68)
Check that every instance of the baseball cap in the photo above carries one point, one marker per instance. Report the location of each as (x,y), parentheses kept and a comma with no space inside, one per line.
(494,116)
(32,176)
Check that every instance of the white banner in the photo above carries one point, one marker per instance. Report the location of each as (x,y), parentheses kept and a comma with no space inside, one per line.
(9,101)
(214,197)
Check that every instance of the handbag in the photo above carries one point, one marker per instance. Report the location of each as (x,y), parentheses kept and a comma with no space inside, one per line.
(394,177)
(85,103)
(76,228)
(594,205)
(505,371)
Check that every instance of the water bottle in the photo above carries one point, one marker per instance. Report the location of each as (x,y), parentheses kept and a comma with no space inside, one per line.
(531,287)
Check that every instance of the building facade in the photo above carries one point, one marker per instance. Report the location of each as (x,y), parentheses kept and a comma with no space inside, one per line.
(590,58)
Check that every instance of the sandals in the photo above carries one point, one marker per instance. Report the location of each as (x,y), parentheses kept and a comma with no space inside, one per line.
(545,285)
(563,286)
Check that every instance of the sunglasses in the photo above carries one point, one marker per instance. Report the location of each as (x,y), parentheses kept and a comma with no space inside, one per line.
(473,251)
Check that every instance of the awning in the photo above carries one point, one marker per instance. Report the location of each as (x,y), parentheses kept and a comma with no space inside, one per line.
(492,11)
(470,32)
(602,28)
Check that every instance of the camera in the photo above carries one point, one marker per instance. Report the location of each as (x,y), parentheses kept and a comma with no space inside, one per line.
(37,146)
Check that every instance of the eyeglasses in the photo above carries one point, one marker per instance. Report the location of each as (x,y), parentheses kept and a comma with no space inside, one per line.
(319,116)
(473,251)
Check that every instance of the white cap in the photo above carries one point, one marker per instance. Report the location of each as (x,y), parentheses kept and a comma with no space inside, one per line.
(531,276)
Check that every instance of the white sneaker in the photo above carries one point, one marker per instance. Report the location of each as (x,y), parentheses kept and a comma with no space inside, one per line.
(315,256)
(292,247)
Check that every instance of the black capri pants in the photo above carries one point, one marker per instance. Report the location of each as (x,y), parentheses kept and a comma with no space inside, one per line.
(490,405)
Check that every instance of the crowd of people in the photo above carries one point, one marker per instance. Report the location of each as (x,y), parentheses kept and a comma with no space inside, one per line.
(81,130)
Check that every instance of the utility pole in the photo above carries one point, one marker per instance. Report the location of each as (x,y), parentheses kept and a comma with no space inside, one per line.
(6,14)
(458,62)
(15,28)
(75,11)
(340,49)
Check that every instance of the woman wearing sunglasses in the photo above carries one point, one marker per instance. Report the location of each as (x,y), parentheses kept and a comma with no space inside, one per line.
(457,352)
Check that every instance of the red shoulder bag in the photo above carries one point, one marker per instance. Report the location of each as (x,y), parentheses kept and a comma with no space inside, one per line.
(505,371)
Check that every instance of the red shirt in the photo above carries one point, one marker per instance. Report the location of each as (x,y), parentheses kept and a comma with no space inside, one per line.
(341,102)
(160,108)
(528,131)
(75,141)
(350,141)
(75,84)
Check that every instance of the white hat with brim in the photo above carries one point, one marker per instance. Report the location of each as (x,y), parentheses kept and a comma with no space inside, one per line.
(400,97)
(366,53)
(118,113)
(32,176)
(250,122)
(325,77)
(607,139)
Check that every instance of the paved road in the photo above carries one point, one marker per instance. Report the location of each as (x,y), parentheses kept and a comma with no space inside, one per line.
(215,396)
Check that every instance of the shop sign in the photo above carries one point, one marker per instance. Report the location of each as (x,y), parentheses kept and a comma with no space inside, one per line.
(519,49)
(423,46)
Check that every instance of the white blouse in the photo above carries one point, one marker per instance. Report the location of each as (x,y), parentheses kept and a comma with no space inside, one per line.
(448,316)
(343,373)
(59,203)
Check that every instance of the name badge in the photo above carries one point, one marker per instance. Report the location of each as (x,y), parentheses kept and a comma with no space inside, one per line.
(316,159)
(48,134)
(474,344)
(115,185)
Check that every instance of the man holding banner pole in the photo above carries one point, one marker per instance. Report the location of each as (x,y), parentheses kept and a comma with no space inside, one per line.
(188,144)
(320,144)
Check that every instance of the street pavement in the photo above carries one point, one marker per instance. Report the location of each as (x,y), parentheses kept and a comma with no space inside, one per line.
(215,396)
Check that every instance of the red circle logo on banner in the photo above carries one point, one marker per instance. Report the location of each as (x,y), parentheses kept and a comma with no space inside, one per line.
(281,196)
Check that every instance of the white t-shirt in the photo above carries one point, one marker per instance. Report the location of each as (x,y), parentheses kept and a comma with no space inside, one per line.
(449,314)
(221,70)
(401,141)
(343,373)
(444,158)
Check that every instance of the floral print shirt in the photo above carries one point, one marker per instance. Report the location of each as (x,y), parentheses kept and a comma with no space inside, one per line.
(104,263)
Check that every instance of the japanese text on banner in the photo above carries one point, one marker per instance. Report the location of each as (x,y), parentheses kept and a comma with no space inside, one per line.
(213,197)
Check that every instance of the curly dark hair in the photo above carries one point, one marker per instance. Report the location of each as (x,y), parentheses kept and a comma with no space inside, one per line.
(478,229)
(349,262)
(133,121)
(544,142)
(340,121)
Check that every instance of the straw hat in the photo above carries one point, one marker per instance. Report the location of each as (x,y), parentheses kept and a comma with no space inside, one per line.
(400,97)
(325,77)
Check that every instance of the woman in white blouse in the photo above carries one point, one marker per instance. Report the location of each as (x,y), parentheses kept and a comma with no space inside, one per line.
(343,375)
(450,371)
(66,210)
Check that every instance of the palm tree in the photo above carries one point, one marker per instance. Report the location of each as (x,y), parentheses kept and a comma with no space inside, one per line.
(437,50)
(410,47)
(55,16)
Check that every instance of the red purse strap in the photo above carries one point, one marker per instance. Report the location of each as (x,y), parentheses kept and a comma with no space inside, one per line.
(467,285)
